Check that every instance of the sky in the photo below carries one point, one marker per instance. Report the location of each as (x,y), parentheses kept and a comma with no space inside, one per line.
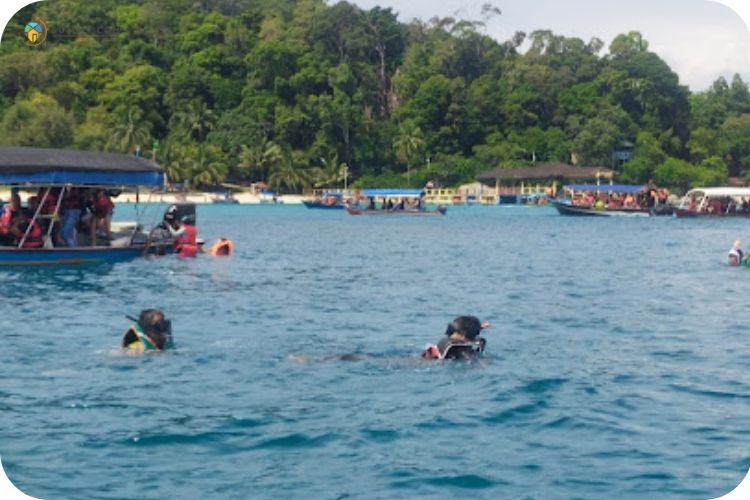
(700,39)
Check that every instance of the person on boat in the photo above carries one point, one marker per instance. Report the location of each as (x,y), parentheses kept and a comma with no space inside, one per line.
(72,207)
(735,254)
(462,340)
(101,216)
(25,223)
(152,331)
(8,215)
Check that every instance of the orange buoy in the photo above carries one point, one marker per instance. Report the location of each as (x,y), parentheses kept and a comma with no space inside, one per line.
(222,248)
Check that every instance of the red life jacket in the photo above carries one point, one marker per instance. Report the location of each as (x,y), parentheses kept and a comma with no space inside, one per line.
(5,219)
(186,244)
(103,205)
(34,238)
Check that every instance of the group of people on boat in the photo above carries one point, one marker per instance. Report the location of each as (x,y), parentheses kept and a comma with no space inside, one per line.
(392,205)
(152,331)
(62,216)
(719,205)
(649,198)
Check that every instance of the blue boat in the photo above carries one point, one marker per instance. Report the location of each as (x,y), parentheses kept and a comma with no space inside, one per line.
(48,171)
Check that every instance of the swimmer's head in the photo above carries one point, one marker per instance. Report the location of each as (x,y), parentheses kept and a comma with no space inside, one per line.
(469,326)
(156,326)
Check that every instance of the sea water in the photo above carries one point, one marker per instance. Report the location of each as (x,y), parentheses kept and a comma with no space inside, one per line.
(616,367)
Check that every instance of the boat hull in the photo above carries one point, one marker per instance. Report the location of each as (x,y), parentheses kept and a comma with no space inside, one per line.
(11,256)
(568,209)
(687,213)
(417,213)
(322,206)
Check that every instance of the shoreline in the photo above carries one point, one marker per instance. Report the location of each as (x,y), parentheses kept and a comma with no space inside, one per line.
(195,197)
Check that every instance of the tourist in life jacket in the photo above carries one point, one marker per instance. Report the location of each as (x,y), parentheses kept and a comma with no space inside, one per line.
(185,238)
(9,213)
(150,332)
(735,254)
(23,223)
(461,341)
(101,217)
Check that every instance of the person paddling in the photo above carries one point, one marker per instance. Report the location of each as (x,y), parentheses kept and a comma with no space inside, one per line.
(150,332)
(462,340)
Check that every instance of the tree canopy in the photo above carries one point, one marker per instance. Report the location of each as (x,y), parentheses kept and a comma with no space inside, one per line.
(295,92)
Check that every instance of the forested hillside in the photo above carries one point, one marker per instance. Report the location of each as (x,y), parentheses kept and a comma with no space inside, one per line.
(295,92)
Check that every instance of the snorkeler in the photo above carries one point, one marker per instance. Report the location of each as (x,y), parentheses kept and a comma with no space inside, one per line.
(461,341)
(150,332)
(735,254)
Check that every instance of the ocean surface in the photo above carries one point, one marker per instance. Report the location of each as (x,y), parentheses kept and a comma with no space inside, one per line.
(616,367)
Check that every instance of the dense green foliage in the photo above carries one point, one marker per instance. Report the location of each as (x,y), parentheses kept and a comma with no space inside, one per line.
(300,94)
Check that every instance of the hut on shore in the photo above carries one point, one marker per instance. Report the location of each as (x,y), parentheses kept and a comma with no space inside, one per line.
(513,184)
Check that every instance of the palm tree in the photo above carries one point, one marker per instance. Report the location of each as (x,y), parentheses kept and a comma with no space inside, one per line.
(409,145)
(206,166)
(332,172)
(288,173)
(197,119)
(175,162)
(260,158)
(132,131)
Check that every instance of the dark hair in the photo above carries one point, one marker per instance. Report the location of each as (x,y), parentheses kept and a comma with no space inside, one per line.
(470,326)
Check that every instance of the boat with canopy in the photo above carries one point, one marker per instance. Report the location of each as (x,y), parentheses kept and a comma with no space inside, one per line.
(604,200)
(394,202)
(715,202)
(53,173)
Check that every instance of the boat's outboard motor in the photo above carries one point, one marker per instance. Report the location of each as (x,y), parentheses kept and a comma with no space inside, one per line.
(177,212)
(160,239)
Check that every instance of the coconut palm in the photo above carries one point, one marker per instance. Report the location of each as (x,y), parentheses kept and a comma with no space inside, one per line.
(175,162)
(196,120)
(131,131)
(206,165)
(260,158)
(409,146)
(288,173)
(331,173)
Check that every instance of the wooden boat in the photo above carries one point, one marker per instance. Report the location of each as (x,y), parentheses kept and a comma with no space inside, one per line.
(603,200)
(225,199)
(44,170)
(394,202)
(715,202)
(327,201)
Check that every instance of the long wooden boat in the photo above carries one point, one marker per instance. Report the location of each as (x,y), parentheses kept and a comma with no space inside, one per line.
(327,201)
(566,208)
(423,213)
(394,202)
(715,202)
(45,170)
(571,202)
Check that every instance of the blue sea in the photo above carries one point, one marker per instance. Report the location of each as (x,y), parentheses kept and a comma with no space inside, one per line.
(616,365)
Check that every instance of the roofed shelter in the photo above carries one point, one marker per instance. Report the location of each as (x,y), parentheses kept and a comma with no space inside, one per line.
(21,166)
(527,180)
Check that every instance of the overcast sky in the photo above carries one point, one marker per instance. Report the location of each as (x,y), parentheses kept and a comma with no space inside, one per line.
(700,39)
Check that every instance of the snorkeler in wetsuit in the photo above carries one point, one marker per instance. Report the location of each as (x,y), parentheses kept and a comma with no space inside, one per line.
(462,340)
(150,332)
